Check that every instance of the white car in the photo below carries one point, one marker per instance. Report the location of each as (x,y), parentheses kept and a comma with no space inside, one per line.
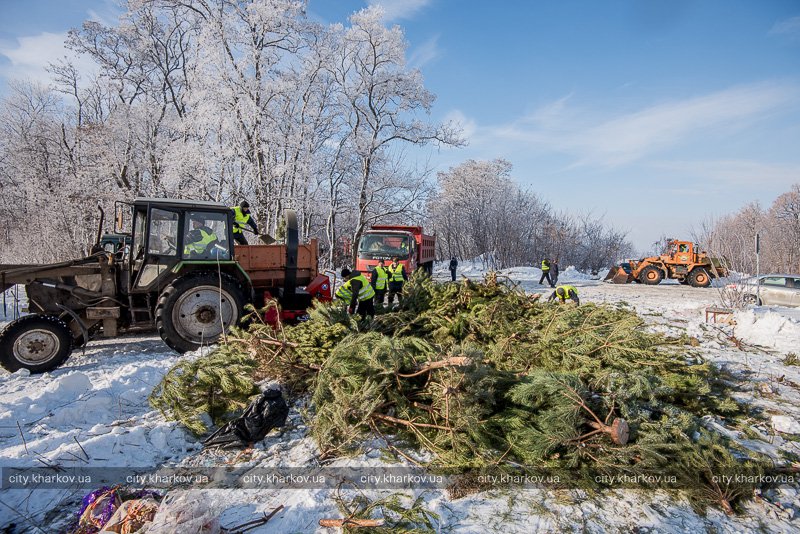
(770,289)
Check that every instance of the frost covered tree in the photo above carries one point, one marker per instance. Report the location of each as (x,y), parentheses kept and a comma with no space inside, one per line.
(733,236)
(221,100)
(383,103)
(785,218)
(480,211)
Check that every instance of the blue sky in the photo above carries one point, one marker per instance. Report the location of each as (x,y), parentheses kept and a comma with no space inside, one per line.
(657,114)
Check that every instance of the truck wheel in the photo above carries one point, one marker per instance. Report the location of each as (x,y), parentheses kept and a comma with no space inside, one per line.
(196,309)
(651,275)
(38,343)
(699,277)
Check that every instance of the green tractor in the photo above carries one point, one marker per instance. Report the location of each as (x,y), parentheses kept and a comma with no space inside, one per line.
(178,274)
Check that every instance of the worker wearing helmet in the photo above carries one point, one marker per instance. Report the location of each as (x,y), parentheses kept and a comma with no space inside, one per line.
(358,291)
(242,217)
(565,293)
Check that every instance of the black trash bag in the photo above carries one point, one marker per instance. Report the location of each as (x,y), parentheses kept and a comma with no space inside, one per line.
(265,413)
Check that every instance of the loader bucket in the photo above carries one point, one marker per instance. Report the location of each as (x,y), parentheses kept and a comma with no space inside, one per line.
(617,275)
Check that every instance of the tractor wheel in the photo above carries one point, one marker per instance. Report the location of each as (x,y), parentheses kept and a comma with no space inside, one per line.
(38,343)
(651,275)
(699,277)
(196,309)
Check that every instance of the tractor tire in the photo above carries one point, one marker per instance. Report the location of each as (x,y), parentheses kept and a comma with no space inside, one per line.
(188,313)
(651,275)
(699,277)
(37,343)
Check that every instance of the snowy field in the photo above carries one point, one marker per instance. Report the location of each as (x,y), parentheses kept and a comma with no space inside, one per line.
(93,412)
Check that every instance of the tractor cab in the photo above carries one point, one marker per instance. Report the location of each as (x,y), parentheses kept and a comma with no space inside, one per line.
(173,270)
(681,252)
(168,233)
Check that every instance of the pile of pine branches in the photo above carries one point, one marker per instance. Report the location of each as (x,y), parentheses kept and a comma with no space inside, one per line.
(484,376)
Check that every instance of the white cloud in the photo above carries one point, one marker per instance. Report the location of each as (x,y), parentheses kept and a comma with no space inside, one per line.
(737,173)
(425,53)
(639,134)
(399,9)
(789,27)
(31,55)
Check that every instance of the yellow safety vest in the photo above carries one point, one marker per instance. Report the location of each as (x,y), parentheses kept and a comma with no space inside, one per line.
(383,278)
(365,293)
(199,246)
(240,219)
(545,266)
(396,273)
(569,292)
(344,293)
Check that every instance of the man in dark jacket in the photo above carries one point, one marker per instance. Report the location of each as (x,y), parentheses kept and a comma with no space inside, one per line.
(554,273)
(242,217)
(453,267)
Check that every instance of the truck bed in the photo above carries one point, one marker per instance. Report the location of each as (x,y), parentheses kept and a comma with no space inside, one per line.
(266,264)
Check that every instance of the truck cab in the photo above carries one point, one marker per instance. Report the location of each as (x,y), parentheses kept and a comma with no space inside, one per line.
(408,244)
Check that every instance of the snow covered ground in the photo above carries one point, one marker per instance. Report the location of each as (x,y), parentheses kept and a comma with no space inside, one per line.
(93,412)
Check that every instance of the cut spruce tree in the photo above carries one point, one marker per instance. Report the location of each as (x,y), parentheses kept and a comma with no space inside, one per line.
(483,376)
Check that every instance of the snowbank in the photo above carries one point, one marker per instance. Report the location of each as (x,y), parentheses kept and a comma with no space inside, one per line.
(772,329)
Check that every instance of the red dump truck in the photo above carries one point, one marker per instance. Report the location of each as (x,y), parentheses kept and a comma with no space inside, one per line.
(414,249)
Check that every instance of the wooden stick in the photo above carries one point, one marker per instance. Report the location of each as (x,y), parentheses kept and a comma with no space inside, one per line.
(407,423)
(352,523)
(392,447)
(23,437)
(455,361)
(81,446)
(265,341)
(255,523)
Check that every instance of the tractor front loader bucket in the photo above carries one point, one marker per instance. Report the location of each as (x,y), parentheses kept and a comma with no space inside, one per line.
(617,275)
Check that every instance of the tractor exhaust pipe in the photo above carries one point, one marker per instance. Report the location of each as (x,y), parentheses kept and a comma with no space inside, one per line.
(96,247)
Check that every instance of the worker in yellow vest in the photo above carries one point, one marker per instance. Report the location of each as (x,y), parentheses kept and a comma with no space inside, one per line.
(359,291)
(198,240)
(380,281)
(242,218)
(564,293)
(546,273)
(397,277)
